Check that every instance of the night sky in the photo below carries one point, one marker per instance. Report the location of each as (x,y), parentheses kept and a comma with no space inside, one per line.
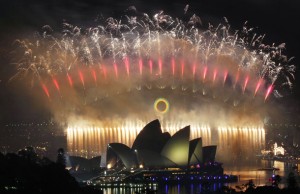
(278,19)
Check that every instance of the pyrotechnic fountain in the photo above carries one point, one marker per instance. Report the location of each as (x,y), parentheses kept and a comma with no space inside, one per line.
(232,142)
(103,81)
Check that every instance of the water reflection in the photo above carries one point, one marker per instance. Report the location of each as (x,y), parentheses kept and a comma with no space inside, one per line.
(250,171)
(245,172)
(169,188)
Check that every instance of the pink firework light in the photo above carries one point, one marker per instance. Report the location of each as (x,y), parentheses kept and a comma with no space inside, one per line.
(212,73)
(126,61)
(194,70)
(245,83)
(269,91)
(81,78)
(56,84)
(173,66)
(225,76)
(141,66)
(94,76)
(204,73)
(150,66)
(70,80)
(257,86)
(215,75)
(160,66)
(182,68)
(45,89)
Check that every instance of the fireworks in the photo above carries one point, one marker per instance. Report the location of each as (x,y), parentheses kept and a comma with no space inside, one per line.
(88,141)
(118,67)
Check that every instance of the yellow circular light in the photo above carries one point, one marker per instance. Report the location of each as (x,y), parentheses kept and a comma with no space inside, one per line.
(161,101)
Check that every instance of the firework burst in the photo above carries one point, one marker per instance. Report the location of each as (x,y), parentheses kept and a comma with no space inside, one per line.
(156,53)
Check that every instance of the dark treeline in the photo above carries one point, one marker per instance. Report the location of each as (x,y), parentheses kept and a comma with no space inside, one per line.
(25,172)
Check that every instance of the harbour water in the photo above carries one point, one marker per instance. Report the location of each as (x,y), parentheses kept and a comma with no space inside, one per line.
(259,171)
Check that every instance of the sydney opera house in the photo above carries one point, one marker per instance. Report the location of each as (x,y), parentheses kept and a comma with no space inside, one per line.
(160,156)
